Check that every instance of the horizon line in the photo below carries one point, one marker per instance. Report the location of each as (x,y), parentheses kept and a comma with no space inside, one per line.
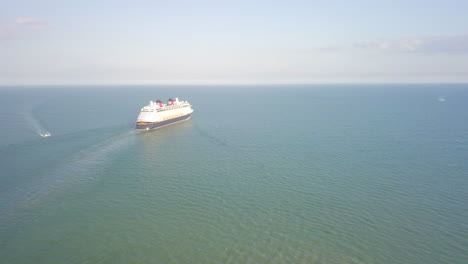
(221,83)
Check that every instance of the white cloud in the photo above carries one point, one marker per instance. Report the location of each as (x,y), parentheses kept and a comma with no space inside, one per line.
(435,44)
(21,26)
(31,22)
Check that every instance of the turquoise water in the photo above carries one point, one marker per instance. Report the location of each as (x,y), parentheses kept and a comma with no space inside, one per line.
(264,174)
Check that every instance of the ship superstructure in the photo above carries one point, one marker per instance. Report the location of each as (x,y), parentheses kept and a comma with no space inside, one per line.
(158,114)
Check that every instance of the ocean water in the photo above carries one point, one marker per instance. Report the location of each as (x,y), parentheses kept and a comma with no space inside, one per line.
(260,174)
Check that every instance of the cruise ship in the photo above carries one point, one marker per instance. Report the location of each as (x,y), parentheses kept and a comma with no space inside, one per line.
(158,114)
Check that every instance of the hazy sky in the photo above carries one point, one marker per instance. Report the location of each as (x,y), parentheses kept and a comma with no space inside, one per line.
(134,41)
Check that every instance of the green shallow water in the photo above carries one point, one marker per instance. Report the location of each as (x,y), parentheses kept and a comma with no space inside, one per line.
(281,174)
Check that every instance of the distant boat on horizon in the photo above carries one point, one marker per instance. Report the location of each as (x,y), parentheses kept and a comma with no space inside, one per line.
(441,99)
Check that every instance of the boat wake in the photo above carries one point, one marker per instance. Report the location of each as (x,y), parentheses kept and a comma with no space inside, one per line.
(78,169)
(36,125)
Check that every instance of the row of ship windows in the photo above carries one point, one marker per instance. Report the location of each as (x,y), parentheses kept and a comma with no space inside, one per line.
(171,108)
(172,116)
(162,110)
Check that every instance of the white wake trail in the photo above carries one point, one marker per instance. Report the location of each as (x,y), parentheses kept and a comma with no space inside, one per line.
(36,125)
(80,168)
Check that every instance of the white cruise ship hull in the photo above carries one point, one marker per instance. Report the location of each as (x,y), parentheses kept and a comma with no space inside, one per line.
(156,125)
